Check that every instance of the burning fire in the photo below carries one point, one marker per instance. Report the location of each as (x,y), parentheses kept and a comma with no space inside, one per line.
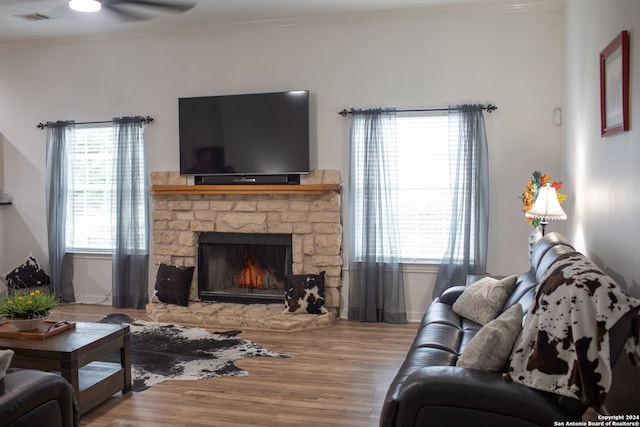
(252,275)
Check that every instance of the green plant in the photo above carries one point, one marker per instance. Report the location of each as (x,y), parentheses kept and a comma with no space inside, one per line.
(33,305)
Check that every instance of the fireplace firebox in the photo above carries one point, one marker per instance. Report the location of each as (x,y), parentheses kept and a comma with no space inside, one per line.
(243,267)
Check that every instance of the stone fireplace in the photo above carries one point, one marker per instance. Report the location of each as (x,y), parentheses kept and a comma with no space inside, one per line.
(309,213)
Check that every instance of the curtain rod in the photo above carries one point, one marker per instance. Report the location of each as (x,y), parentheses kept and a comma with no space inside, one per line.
(489,107)
(145,120)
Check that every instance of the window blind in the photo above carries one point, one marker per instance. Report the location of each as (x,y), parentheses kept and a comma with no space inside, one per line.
(425,143)
(90,199)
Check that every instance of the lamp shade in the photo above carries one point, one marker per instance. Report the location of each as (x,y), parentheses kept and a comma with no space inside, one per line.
(546,206)
(85,5)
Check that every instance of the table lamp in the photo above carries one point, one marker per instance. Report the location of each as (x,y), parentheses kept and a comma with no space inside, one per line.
(546,206)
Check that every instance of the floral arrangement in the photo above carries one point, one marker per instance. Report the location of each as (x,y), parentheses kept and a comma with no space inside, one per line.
(530,193)
(33,305)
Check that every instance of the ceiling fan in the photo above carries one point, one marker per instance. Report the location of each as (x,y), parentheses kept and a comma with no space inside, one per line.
(127,9)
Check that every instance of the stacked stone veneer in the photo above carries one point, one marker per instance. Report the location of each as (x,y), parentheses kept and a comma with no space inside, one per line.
(314,221)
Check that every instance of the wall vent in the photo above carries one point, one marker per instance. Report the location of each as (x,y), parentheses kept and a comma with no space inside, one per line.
(35,16)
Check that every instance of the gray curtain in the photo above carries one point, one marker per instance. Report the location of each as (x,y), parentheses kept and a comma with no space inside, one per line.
(467,248)
(376,287)
(130,215)
(58,186)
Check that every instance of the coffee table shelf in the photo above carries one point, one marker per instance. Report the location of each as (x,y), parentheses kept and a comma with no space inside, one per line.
(97,379)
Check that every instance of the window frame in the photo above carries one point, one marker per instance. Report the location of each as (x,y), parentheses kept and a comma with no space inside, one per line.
(103,145)
(80,148)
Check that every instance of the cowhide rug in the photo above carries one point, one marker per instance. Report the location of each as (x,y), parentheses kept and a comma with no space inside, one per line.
(163,351)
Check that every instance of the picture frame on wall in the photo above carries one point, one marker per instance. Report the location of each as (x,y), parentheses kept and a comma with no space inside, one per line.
(614,86)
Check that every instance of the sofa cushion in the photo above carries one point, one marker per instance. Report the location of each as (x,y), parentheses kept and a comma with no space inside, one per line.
(483,300)
(490,348)
(542,246)
(450,295)
(439,335)
(534,238)
(31,397)
(438,312)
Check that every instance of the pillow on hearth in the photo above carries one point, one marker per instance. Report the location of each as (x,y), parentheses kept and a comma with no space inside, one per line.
(491,347)
(304,293)
(173,283)
(5,361)
(27,274)
(482,301)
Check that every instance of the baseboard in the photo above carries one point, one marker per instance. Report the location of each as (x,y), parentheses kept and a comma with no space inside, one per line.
(412,317)
(93,299)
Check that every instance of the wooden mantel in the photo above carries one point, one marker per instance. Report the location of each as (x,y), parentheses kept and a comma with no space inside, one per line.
(245,189)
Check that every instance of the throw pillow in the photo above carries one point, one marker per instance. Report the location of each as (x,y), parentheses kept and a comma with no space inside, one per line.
(27,274)
(5,361)
(304,293)
(490,348)
(173,283)
(482,301)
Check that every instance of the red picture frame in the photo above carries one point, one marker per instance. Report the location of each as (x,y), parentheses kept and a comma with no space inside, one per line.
(614,86)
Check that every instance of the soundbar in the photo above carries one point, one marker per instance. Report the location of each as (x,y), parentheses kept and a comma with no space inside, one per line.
(293,179)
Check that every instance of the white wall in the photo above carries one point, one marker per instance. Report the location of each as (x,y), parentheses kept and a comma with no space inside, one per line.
(603,173)
(2,210)
(508,56)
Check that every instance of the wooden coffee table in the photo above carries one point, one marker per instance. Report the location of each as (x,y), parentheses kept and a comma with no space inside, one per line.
(76,354)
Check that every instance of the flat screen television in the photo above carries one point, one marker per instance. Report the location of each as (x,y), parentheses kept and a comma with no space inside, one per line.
(249,138)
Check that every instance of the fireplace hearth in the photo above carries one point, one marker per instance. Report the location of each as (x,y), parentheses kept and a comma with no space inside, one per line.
(243,267)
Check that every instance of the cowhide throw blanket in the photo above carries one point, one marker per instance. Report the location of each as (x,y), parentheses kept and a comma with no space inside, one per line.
(564,346)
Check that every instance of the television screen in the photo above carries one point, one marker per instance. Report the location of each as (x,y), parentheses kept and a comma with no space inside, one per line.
(252,134)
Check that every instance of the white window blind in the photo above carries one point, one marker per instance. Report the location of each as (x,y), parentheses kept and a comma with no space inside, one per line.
(90,197)
(424,199)
(424,147)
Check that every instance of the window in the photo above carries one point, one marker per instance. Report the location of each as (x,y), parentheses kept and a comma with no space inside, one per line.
(425,142)
(88,220)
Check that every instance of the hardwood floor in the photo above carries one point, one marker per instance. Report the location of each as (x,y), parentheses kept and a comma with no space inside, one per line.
(336,376)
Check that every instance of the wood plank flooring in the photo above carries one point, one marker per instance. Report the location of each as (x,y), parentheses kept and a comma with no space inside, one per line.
(338,376)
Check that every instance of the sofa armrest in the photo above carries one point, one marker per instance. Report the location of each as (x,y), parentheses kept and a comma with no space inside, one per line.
(30,397)
(449,395)
(450,295)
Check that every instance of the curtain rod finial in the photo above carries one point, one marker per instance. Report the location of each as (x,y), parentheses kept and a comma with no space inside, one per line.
(491,108)
(40,125)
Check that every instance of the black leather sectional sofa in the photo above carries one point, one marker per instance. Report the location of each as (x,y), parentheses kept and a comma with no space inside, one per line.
(31,398)
(430,390)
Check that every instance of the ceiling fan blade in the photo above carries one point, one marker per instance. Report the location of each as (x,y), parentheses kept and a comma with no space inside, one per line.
(12,2)
(169,6)
(124,14)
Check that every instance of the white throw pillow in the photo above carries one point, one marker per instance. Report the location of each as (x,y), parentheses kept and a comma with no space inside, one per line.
(491,347)
(482,301)
(5,361)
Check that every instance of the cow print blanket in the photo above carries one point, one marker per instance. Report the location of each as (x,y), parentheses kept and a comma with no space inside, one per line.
(564,345)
